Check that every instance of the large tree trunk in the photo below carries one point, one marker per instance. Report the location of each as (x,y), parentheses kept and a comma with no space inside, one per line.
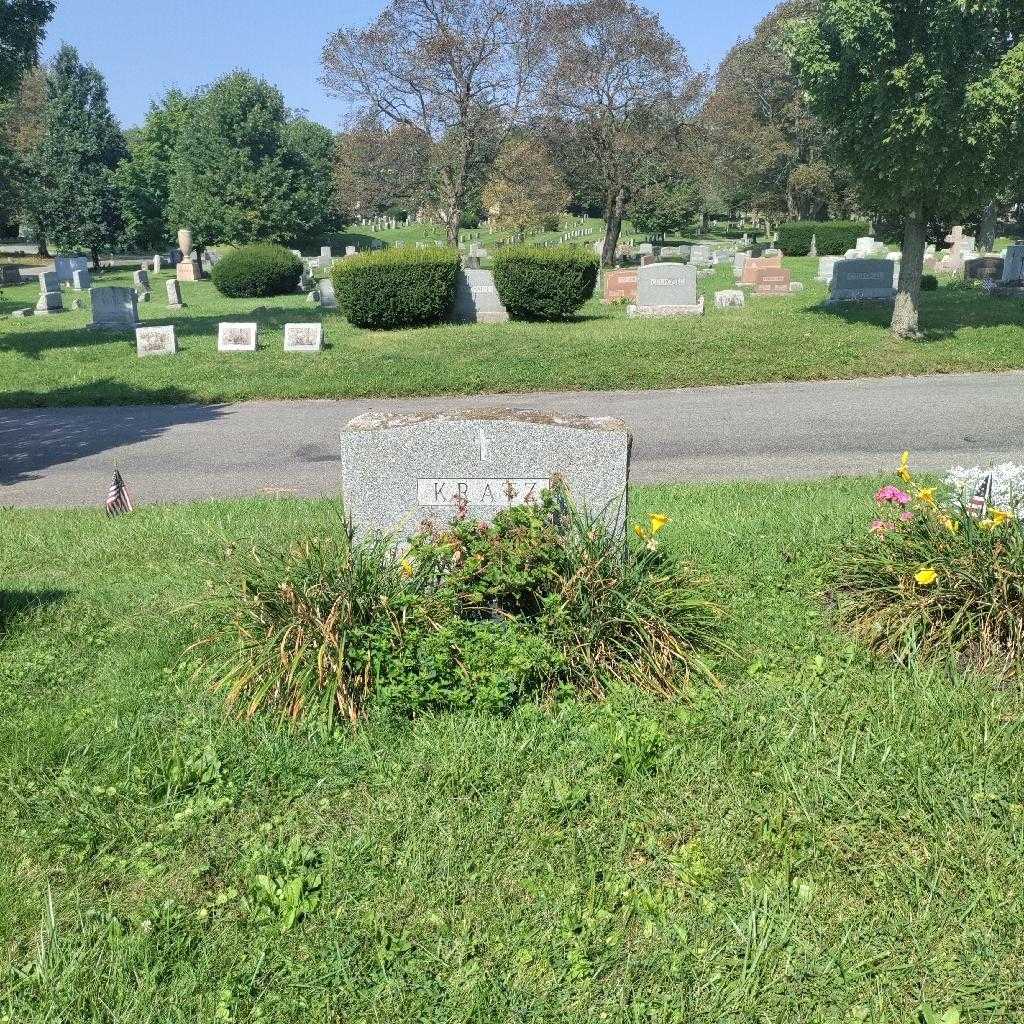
(908,296)
(95,253)
(987,229)
(614,213)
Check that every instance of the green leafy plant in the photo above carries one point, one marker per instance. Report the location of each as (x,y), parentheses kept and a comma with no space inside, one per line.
(929,578)
(397,288)
(544,283)
(832,237)
(543,601)
(257,271)
(929,283)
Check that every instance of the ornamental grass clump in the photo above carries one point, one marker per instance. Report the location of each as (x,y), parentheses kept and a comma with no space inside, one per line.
(934,576)
(541,603)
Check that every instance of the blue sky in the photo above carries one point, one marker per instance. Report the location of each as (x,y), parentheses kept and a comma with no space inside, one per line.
(144,49)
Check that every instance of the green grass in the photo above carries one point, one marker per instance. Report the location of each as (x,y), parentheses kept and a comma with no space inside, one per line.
(825,838)
(56,361)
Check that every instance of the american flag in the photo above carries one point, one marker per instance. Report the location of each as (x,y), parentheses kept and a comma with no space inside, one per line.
(978,505)
(118,499)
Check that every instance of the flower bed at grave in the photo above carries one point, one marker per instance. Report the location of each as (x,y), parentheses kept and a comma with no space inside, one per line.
(935,575)
(541,602)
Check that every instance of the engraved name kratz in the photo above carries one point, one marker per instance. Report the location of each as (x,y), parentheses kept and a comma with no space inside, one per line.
(480,493)
(236,337)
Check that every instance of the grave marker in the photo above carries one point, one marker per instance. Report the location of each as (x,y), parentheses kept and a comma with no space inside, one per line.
(772,281)
(81,280)
(234,337)
(155,341)
(667,289)
(174,294)
(620,284)
(303,337)
(114,307)
(50,299)
(476,298)
(862,280)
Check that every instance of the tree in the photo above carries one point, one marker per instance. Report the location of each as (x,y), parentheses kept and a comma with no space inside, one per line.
(457,71)
(524,189)
(310,151)
(663,207)
(618,88)
(923,99)
(22,24)
(380,167)
(144,180)
(235,175)
(72,201)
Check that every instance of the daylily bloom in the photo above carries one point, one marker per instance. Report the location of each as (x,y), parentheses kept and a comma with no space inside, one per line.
(950,524)
(904,471)
(893,494)
(999,516)
(926,495)
(659,522)
(407,567)
(640,531)
(987,524)
(925,577)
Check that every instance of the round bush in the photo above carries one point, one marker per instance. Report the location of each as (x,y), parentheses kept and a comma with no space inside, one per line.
(929,283)
(544,283)
(257,271)
(397,287)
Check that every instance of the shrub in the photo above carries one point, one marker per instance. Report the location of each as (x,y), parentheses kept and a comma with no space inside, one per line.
(550,283)
(541,602)
(397,287)
(929,578)
(929,283)
(833,237)
(257,271)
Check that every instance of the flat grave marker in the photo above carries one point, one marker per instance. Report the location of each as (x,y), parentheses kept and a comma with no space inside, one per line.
(303,337)
(236,337)
(155,341)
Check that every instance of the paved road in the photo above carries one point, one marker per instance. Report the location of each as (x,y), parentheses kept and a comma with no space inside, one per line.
(56,457)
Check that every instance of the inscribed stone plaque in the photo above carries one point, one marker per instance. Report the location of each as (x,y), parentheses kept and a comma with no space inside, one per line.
(826,264)
(10,275)
(984,268)
(141,279)
(700,254)
(114,307)
(236,337)
(476,298)
(620,284)
(155,341)
(730,298)
(857,280)
(667,289)
(399,471)
(753,265)
(303,337)
(325,257)
(772,281)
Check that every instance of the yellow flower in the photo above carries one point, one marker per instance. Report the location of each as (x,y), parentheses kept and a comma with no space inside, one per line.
(925,577)
(926,495)
(950,524)
(904,471)
(659,522)
(986,524)
(640,531)
(999,516)
(407,567)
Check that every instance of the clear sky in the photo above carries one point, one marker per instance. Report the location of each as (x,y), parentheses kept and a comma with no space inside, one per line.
(143,49)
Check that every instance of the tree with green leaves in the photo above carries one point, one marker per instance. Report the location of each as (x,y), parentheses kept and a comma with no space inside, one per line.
(525,190)
(22,24)
(310,149)
(144,180)
(71,197)
(923,101)
(661,207)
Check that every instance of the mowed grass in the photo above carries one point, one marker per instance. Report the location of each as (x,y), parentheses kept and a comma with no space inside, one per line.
(58,361)
(822,838)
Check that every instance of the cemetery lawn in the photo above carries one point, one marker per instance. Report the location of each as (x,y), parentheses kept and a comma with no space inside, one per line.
(825,837)
(58,361)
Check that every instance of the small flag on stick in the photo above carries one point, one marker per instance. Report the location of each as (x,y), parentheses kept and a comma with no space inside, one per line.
(118,499)
(981,499)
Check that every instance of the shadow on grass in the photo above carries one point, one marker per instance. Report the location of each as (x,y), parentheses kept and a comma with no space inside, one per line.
(33,440)
(943,313)
(16,603)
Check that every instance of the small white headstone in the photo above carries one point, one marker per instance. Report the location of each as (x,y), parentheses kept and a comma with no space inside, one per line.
(303,337)
(155,341)
(730,298)
(232,337)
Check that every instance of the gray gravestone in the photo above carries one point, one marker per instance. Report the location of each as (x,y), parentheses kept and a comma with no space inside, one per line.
(114,307)
(399,471)
(667,289)
(50,300)
(174,294)
(327,297)
(860,280)
(157,263)
(303,337)
(1013,266)
(730,298)
(984,268)
(65,266)
(232,337)
(141,279)
(325,257)
(10,275)
(700,254)
(826,266)
(476,298)
(155,341)
(81,280)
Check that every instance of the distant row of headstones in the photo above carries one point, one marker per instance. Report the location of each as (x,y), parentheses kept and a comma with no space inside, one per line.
(231,337)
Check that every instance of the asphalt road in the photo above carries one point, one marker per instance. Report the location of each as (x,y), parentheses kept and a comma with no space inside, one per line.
(64,457)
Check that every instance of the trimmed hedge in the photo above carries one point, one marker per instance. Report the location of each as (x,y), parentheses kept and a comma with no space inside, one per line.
(544,283)
(257,271)
(397,287)
(834,237)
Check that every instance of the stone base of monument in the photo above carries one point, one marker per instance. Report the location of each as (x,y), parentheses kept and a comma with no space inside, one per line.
(655,311)
(1009,291)
(189,270)
(874,295)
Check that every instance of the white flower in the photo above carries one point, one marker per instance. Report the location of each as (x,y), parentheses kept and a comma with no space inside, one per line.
(1007,484)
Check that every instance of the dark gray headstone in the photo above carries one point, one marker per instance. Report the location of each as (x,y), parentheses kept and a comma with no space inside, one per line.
(667,289)
(862,280)
(477,299)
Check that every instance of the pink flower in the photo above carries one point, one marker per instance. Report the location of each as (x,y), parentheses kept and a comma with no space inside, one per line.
(880,526)
(905,517)
(893,494)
